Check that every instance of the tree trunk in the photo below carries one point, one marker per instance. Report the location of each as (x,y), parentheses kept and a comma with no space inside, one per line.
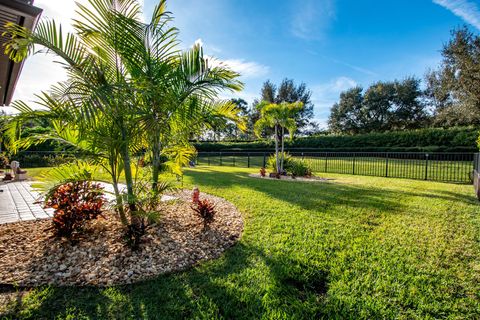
(277,163)
(114,172)
(156,155)
(118,197)
(283,151)
(128,173)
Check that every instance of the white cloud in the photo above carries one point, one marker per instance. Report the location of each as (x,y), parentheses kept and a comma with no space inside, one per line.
(335,86)
(326,94)
(246,69)
(40,71)
(468,10)
(310,17)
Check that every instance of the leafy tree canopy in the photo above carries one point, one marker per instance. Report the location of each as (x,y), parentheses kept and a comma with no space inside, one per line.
(289,92)
(384,106)
(454,88)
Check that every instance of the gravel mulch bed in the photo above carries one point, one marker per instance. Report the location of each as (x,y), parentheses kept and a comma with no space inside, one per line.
(289,178)
(30,257)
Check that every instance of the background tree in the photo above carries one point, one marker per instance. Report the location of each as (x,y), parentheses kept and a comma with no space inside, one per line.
(227,130)
(346,115)
(454,89)
(384,106)
(288,92)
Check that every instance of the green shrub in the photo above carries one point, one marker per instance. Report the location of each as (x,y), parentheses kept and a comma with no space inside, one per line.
(36,160)
(291,165)
(3,161)
(460,139)
(272,163)
(300,168)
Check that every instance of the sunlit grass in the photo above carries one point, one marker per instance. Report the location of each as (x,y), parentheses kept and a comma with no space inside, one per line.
(354,247)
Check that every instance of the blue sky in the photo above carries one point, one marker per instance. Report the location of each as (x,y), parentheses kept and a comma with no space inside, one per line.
(329,44)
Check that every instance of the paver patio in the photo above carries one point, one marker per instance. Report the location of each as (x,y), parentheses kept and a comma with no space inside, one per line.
(18,202)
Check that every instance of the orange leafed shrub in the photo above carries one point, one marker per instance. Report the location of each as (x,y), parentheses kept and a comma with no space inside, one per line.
(75,203)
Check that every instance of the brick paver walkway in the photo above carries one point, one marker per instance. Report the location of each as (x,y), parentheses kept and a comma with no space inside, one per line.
(18,202)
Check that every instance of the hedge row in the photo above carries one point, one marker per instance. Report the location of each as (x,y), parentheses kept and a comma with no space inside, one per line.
(424,140)
(36,160)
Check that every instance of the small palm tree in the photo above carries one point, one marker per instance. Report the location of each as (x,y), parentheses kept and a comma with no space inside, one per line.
(281,117)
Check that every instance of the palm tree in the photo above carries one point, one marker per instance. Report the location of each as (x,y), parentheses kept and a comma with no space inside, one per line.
(177,90)
(129,89)
(281,117)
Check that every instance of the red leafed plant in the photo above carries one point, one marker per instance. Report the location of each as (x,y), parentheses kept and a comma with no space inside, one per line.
(75,203)
(205,209)
(263,172)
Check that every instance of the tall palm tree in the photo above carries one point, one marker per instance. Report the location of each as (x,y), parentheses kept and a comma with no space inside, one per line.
(129,88)
(280,117)
(177,90)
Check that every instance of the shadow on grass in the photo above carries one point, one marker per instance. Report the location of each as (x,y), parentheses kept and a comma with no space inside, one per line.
(250,280)
(216,290)
(317,196)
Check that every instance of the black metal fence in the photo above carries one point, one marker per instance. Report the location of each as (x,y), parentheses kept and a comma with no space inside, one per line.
(447,167)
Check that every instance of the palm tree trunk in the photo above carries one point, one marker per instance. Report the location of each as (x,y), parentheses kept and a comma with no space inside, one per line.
(156,154)
(283,151)
(276,150)
(128,173)
(118,197)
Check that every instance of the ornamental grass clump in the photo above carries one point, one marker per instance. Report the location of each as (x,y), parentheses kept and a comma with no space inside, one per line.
(74,203)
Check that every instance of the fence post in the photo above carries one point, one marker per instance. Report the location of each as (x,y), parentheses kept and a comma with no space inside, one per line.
(264,159)
(302,156)
(353,163)
(326,161)
(208,159)
(233,160)
(248,160)
(426,166)
(220,159)
(386,165)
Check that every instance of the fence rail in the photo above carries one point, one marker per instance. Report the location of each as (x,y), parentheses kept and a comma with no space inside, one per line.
(447,167)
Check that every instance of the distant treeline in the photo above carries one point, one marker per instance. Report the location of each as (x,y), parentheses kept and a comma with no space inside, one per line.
(460,139)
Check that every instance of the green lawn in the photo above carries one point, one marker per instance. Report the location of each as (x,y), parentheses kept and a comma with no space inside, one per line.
(356,247)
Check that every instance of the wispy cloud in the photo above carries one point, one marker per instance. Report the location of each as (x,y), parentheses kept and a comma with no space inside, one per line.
(468,10)
(246,69)
(356,68)
(326,94)
(311,17)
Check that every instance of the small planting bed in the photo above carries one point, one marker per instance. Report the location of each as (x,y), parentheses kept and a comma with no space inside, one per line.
(290,178)
(31,257)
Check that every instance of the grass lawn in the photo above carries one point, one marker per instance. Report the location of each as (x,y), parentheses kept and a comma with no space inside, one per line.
(356,247)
